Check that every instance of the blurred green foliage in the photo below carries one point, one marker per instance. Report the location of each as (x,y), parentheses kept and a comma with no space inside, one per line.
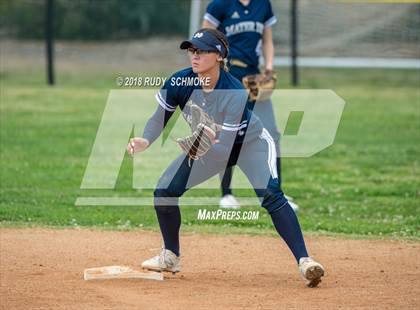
(95,19)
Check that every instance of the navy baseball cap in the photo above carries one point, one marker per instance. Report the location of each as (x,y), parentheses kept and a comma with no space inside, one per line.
(206,41)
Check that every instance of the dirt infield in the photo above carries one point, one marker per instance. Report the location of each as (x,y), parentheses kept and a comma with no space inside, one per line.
(42,269)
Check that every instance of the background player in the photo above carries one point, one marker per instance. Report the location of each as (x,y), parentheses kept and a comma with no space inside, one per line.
(247,25)
(207,49)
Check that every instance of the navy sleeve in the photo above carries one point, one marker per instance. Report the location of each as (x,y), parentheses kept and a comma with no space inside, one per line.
(214,13)
(269,19)
(167,99)
(167,96)
(156,124)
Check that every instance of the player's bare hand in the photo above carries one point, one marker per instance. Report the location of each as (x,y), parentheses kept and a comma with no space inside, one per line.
(136,145)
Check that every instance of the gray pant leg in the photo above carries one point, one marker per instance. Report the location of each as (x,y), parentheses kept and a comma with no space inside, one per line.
(183,174)
(264,111)
(264,175)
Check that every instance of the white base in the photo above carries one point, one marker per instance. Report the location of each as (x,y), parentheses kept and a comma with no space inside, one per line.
(119,272)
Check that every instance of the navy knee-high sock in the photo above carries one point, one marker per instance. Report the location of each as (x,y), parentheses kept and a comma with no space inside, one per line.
(287,225)
(170,222)
(226,181)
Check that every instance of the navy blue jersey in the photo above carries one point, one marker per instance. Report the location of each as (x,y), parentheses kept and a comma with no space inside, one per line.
(243,26)
(226,104)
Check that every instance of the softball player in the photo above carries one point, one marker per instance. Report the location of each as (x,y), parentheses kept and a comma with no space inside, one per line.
(241,141)
(247,25)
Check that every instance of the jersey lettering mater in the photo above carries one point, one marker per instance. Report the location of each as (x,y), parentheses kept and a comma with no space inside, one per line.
(249,26)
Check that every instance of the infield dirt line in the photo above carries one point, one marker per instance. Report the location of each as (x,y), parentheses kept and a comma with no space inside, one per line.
(43,269)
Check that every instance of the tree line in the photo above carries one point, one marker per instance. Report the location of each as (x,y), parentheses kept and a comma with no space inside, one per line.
(95,19)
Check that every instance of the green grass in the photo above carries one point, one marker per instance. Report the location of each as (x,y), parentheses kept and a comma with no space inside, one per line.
(365,184)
